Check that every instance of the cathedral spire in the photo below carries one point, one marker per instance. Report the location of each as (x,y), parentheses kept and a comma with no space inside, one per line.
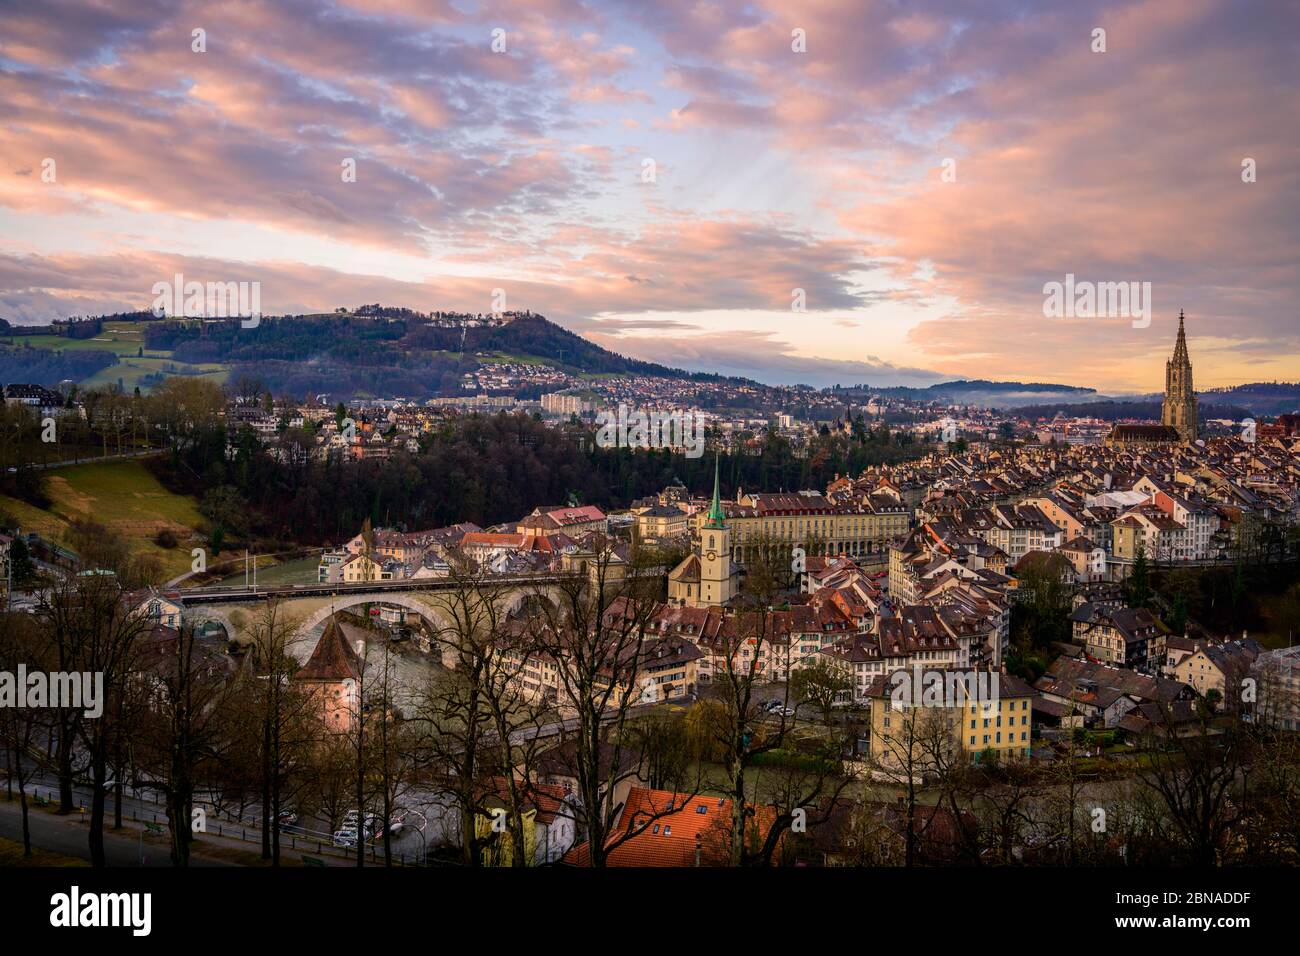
(1180,345)
(1180,405)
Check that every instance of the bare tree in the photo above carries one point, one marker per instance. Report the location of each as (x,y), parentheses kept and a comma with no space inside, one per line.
(393,748)
(94,630)
(1006,804)
(749,654)
(480,720)
(910,743)
(1197,775)
(20,643)
(282,712)
(187,725)
(595,638)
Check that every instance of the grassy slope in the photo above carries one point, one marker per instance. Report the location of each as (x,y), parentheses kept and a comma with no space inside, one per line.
(122,496)
(131,370)
(123,339)
(11,854)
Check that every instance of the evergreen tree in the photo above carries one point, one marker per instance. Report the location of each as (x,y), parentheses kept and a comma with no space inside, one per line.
(20,561)
(1139,580)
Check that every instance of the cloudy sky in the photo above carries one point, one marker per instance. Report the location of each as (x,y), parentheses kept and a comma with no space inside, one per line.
(662,176)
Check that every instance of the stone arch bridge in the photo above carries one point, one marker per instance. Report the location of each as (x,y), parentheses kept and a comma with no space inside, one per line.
(311,605)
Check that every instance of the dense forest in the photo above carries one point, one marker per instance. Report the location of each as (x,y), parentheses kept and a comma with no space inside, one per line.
(49,367)
(485,469)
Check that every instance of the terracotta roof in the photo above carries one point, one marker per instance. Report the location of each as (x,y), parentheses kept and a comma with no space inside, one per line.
(1144,433)
(334,658)
(666,827)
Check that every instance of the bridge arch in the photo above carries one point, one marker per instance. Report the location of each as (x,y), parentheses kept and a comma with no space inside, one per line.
(522,601)
(412,601)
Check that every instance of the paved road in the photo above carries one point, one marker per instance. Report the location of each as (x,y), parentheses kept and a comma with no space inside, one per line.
(69,836)
(213,594)
(50,465)
(147,810)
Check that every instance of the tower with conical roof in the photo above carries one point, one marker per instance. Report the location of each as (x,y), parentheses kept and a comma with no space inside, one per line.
(717,577)
(1179,409)
(716,518)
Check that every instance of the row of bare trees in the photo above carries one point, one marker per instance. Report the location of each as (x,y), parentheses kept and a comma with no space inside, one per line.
(173,717)
(111,421)
(1210,790)
(556,687)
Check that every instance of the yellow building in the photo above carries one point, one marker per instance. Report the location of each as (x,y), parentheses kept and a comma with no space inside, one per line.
(861,528)
(659,522)
(979,713)
(1159,536)
(361,567)
(495,839)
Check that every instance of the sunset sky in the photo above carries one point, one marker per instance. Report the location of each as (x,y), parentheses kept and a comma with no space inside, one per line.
(773,170)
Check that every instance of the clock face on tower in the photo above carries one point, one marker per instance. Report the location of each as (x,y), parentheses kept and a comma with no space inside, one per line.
(712,555)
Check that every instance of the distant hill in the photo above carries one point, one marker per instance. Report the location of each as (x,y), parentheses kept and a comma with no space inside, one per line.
(1269,399)
(1041,399)
(387,353)
(984,392)
(1110,410)
(1262,398)
(538,337)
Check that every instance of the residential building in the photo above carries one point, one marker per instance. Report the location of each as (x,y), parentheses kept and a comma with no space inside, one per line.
(1127,637)
(981,714)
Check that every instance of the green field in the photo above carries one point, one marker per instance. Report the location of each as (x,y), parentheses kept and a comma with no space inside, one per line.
(125,498)
(296,571)
(124,339)
(505,358)
(132,370)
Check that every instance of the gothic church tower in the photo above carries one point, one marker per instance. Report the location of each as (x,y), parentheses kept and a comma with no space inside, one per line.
(1179,409)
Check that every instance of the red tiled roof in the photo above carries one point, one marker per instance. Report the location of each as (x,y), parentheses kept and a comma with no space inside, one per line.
(333,659)
(666,826)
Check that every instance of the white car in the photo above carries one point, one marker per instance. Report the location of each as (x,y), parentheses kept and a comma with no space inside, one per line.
(346,837)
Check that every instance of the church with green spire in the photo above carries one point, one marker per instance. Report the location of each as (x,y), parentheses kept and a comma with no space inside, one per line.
(715,518)
(707,578)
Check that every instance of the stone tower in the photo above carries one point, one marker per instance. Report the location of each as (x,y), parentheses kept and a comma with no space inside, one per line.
(1179,409)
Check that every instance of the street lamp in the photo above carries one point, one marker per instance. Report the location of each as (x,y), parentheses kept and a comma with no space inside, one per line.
(424,843)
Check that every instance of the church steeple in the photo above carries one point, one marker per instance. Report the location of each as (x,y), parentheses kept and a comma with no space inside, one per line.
(1179,409)
(1180,346)
(715,518)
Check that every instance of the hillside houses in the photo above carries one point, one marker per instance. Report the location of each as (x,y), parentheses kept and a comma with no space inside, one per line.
(1081,693)
(1127,637)
(944,636)
(1217,667)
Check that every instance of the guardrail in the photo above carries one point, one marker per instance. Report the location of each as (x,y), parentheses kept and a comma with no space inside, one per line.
(226,593)
(229,826)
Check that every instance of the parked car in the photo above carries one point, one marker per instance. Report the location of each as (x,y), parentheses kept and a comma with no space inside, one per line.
(346,837)
(287,818)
